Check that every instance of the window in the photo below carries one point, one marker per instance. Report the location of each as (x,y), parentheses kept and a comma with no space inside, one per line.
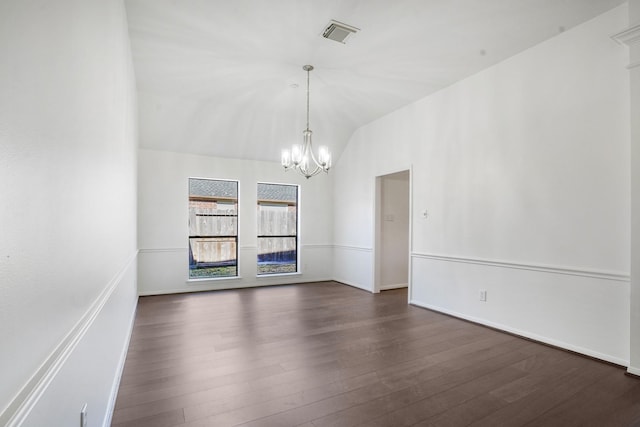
(213,228)
(277,228)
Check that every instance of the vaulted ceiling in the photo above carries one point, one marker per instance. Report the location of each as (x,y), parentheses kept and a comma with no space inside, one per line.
(225,78)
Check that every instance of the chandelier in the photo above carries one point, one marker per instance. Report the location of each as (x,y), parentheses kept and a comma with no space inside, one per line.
(301,157)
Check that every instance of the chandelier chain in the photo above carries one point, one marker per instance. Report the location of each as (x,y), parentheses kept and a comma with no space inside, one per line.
(308,71)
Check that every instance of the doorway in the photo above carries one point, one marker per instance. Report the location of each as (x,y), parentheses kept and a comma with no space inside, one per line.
(392,231)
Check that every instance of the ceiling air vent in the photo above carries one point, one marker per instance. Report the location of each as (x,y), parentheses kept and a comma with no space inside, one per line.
(338,31)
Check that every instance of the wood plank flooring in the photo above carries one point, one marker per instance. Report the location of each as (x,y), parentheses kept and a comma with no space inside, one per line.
(326,354)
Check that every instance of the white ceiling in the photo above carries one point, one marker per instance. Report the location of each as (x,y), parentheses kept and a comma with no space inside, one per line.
(215,77)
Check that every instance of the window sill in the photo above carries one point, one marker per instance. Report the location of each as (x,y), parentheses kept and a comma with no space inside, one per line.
(261,276)
(211,279)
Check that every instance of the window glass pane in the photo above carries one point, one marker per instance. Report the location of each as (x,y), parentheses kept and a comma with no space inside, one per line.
(213,188)
(277,220)
(204,225)
(212,257)
(277,228)
(277,255)
(278,192)
(213,228)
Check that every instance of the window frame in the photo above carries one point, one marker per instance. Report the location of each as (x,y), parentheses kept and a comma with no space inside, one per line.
(191,279)
(298,264)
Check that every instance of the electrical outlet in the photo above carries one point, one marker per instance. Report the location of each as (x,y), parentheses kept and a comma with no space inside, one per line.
(483,295)
(83,416)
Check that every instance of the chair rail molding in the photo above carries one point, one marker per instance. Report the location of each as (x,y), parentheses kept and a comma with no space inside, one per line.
(20,407)
(571,271)
(353,248)
(629,37)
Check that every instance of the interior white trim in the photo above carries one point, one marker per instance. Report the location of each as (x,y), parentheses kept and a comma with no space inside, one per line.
(571,271)
(242,248)
(159,250)
(211,279)
(352,284)
(317,246)
(633,65)
(177,291)
(525,334)
(116,383)
(394,286)
(266,276)
(629,36)
(229,286)
(24,401)
(354,248)
(633,371)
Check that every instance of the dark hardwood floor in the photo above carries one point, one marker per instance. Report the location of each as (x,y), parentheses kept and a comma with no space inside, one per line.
(326,354)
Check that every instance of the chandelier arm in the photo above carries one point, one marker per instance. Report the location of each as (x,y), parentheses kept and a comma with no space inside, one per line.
(308,174)
(304,167)
(313,157)
(317,163)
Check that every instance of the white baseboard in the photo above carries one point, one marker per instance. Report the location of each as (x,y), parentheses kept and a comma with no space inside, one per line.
(525,334)
(31,393)
(352,284)
(633,371)
(116,383)
(227,286)
(394,286)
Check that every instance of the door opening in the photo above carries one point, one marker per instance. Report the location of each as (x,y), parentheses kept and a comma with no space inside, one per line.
(392,223)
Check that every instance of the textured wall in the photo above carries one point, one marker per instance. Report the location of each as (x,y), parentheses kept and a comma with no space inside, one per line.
(67,184)
(524,169)
(163,218)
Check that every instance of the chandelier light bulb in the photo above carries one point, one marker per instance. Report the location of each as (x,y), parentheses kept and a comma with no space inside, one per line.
(286,158)
(296,154)
(324,157)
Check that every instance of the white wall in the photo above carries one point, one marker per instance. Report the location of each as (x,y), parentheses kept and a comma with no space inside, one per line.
(163,218)
(524,171)
(68,190)
(353,195)
(634,69)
